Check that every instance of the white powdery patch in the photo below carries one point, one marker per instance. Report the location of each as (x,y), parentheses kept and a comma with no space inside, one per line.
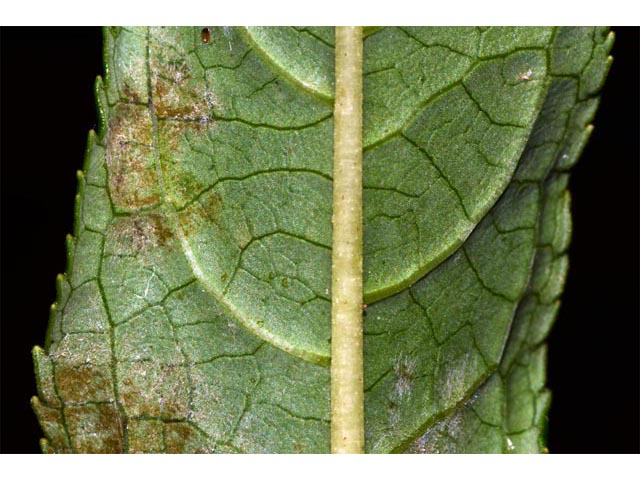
(441,437)
(404,368)
(455,381)
(82,348)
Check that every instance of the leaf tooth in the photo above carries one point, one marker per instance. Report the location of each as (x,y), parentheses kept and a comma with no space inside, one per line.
(108,94)
(595,73)
(102,104)
(52,423)
(562,234)
(63,289)
(60,279)
(541,420)
(571,154)
(607,44)
(44,377)
(92,141)
(93,167)
(45,446)
(70,244)
(77,208)
(555,281)
(52,312)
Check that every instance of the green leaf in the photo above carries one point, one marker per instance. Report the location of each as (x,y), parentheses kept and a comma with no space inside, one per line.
(194,315)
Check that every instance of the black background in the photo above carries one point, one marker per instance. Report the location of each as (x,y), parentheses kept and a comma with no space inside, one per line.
(47,109)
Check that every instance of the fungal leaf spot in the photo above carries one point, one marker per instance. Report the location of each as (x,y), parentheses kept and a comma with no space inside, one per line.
(131,159)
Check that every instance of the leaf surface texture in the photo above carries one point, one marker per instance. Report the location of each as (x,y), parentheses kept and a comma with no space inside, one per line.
(194,315)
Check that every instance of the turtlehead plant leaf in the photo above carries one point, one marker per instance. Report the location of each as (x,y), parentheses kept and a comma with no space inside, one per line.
(194,315)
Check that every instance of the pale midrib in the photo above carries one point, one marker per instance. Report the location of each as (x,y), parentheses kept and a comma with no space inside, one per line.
(347,362)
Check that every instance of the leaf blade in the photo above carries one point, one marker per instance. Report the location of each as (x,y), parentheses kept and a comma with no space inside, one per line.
(142,353)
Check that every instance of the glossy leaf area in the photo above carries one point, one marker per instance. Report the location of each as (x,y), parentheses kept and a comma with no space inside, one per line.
(195,312)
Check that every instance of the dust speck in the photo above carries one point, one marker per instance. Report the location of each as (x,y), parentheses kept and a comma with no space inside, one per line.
(525,76)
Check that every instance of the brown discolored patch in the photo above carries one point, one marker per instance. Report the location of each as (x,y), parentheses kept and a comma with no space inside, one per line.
(183,437)
(192,219)
(212,205)
(181,182)
(177,436)
(138,233)
(160,234)
(168,87)
(170,137)
(204,213)
(44,378)
(175,91)
(52,424)
(130,123)
(46,447)
(130,158)
(84,383)
(145,435)
(95,428)
(129,93)
(147,388)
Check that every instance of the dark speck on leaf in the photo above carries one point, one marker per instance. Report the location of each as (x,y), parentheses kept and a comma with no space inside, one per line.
(205,35)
